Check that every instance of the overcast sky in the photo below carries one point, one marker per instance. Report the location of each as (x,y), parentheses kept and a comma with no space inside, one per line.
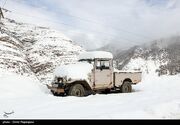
(94,23)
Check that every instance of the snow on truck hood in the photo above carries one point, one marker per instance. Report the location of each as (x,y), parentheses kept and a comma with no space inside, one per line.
(79,70)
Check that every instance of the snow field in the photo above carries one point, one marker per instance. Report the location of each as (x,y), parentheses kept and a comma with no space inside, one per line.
(153,98)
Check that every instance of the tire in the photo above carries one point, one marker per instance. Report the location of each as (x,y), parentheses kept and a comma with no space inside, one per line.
(106,91)
(77,90)
(54,93)
(126,87)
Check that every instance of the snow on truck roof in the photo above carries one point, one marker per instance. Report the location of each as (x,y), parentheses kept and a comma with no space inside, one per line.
(95,55)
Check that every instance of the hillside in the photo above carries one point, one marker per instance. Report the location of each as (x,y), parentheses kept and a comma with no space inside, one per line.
(34,51)
(160,56)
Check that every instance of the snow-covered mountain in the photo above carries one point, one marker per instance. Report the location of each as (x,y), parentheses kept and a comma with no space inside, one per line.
(111,47)
(34,51)
(161,56)
(12,58)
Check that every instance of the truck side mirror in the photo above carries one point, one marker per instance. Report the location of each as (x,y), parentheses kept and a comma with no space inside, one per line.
(101,68)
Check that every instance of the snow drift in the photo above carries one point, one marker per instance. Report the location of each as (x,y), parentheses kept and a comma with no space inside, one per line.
(13,85)
(155,98)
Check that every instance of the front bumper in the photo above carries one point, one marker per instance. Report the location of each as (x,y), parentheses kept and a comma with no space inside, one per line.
(58,90)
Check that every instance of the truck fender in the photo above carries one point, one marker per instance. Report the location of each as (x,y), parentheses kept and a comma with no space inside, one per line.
(83,83)
(127,79)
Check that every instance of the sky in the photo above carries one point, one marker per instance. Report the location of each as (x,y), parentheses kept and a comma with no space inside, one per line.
(95,23)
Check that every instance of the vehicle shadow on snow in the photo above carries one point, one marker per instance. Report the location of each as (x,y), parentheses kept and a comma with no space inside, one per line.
(102,93)
(118,92)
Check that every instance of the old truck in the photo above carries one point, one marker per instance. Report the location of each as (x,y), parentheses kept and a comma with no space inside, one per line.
(94,72)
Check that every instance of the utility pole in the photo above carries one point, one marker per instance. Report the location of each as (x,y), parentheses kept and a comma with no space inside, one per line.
(1,16)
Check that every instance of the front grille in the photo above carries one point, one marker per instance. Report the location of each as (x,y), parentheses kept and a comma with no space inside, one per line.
(60,85)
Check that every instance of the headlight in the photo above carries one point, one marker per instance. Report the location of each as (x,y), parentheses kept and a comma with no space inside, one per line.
(69,79)
(60,80)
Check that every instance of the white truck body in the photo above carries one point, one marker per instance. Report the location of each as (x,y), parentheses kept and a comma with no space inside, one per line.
(94,72)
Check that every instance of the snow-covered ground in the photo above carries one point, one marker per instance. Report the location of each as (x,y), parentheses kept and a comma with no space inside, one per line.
(154,98)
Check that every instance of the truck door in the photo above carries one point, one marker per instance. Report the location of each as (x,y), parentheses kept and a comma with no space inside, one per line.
(103,73)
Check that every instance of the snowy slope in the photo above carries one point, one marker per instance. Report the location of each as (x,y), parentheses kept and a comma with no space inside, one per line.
(43,48)
(153,98)
(12,58)
(160,57)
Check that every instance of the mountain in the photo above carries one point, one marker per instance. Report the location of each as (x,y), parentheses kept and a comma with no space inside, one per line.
(160,56)
(12,58)
(34,51)
(113,48)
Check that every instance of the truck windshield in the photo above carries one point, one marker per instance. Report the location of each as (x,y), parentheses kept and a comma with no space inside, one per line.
(87,60)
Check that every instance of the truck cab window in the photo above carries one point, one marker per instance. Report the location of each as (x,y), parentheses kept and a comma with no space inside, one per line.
(102,64)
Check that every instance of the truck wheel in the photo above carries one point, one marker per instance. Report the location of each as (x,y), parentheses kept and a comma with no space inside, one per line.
(126,87)
(106,91)
(54,93)
(77,90)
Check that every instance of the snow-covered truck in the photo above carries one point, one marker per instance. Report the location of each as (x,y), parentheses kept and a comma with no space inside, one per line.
(94,72)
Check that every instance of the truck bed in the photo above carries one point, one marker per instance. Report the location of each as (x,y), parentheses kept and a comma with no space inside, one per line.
(121,76)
